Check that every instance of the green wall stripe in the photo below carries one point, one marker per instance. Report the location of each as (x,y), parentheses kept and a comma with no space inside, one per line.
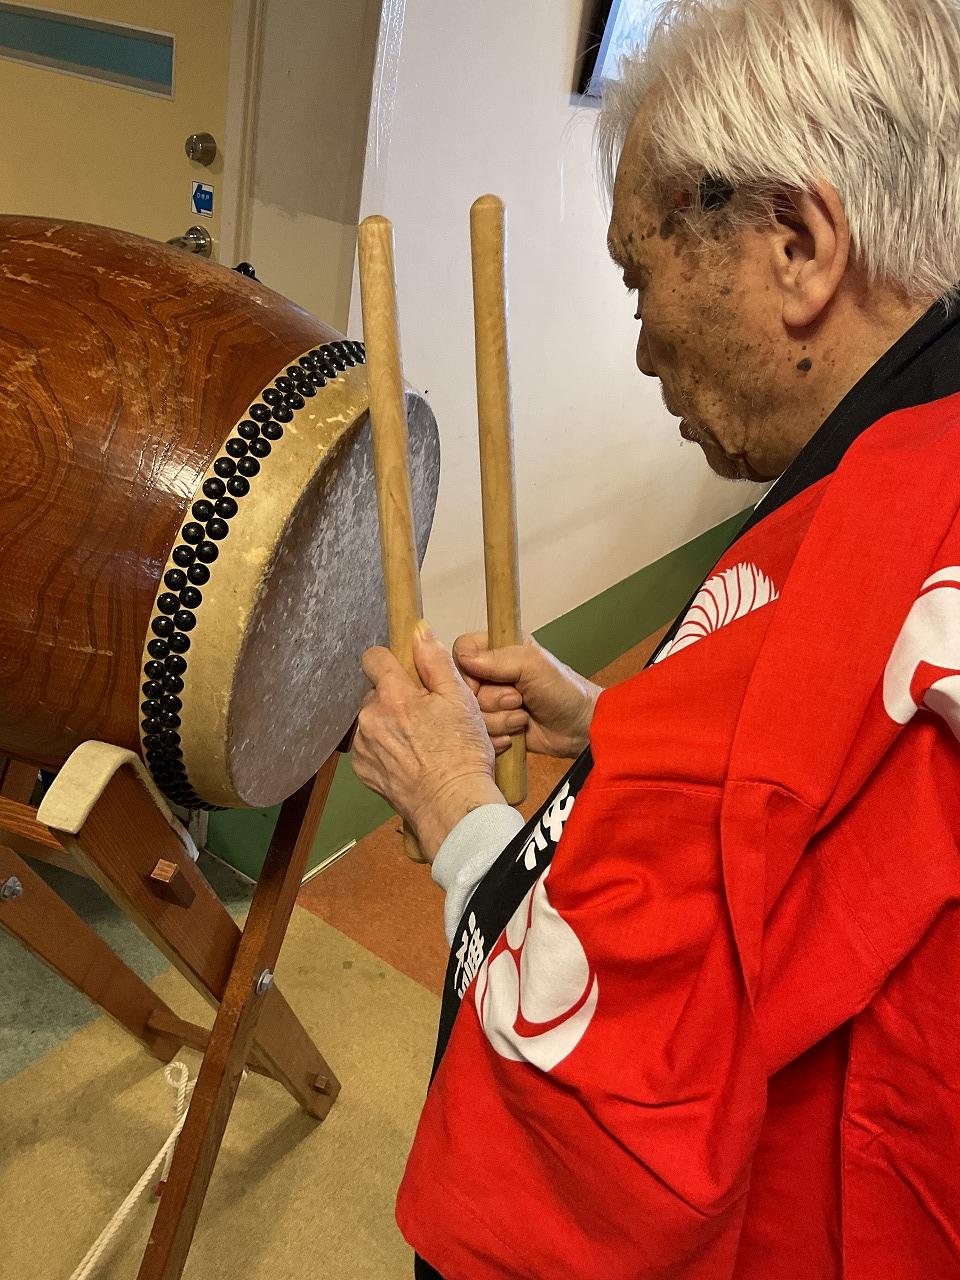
(591,636)
(82,46)
(588,638)
(241,836)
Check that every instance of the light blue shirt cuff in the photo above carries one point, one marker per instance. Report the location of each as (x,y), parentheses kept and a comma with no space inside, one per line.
(468,853)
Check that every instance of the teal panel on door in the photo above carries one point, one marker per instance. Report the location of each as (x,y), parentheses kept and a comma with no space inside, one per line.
(126,56)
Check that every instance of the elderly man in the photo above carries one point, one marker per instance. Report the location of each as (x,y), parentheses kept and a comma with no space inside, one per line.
(702,1014)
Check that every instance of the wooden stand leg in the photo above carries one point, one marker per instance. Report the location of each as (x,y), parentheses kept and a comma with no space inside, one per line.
(21,832)
(186,920)
(17,780)
(233,1032)
(47,927)
(105,819)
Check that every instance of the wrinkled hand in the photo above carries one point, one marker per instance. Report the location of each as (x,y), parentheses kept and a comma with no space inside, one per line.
(524,688)
(426,751)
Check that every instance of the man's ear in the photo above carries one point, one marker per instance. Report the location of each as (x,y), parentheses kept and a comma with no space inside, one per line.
(810,250)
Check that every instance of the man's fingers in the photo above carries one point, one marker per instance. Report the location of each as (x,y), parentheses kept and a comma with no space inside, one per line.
(496,666)
(496,697)
(472,642)
(387,676)
(379,664)
(435,665)
(502,723)
(500,745)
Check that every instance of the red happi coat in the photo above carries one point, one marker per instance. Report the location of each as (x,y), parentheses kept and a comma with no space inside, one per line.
(721,1037)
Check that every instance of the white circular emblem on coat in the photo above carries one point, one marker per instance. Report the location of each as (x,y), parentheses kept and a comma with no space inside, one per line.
(924,667)
(536,993)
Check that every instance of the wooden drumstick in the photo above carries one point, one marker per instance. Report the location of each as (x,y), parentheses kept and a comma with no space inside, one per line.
(488,239)
(388,426)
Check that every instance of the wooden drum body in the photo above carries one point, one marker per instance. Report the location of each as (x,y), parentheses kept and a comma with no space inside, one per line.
(189,547)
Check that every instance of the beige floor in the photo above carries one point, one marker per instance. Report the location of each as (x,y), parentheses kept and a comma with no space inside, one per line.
(290,1199)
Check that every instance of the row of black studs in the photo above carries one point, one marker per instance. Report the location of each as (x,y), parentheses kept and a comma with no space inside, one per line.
(176,607)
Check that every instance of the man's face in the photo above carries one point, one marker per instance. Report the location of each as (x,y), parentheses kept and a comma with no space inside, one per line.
(709,326)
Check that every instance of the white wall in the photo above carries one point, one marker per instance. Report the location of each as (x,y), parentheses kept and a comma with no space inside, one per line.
(472,97)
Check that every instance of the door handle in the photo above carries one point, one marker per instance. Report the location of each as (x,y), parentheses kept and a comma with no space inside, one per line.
(194,240)
(201,147)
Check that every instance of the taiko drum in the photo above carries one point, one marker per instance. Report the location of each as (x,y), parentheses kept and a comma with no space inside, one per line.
(189,553)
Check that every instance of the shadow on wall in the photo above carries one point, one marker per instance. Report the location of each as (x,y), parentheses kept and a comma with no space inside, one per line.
(310,140)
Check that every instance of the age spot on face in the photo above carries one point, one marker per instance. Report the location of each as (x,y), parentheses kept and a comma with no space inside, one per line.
(668,228)
(805,365)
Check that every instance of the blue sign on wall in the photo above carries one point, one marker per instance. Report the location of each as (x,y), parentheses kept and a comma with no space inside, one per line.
(201,199)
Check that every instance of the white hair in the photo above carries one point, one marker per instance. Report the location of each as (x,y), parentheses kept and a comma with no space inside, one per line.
(763,97)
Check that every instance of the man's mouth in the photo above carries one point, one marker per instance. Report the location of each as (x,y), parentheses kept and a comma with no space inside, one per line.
(690,432)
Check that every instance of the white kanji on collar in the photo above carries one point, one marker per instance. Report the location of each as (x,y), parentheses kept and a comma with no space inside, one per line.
(549,829)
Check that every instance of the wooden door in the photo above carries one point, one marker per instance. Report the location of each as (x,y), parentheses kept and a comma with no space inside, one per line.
(97,100)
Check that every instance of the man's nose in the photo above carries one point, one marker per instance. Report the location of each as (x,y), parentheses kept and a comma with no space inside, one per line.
(644,361)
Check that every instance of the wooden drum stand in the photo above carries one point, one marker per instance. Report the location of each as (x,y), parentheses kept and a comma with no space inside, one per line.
(102,819)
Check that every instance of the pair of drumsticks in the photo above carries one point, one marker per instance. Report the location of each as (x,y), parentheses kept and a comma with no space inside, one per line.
(388,421)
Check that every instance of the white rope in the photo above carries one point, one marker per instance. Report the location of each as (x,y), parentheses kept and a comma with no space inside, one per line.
(177,1076)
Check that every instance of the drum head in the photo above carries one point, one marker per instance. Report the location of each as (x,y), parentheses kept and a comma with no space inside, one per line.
(272,678)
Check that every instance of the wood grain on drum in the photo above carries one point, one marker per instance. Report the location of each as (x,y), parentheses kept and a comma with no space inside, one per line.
(123,366)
